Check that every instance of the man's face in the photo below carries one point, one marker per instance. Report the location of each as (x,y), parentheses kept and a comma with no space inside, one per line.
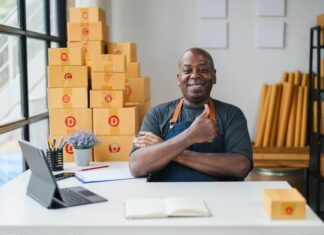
(196,76)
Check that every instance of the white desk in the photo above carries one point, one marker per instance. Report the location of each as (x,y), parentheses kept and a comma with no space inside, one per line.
(236,207)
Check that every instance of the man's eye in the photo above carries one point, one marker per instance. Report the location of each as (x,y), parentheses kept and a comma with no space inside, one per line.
(203,70)
(186,71)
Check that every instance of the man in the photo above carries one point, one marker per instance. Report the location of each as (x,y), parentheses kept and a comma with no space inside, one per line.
(195,138)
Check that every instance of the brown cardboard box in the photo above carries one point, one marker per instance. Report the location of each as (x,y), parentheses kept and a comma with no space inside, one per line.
(113,148)
(67,98)
(106,99)
(65,56)
(143,108)
(89,47)
(84,15)
(108,81)
(67,76)
(68,121)
(320,22)
(285,204)
(109,63)
(137,89)
(115,121)
(94,31)
(132,70)
(123,48)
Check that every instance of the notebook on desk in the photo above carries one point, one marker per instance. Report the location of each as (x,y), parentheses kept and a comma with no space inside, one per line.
(43,188)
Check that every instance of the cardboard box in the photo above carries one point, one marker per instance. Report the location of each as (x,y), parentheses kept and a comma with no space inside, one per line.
(68,121)
(137,89)
(94,31)
(285,204)
(123,48)
(320,22)
(89,47)
(109,63)
(67,98)
(143,108)
(84,15)
(115,121)
(132,70)
(108,81)
(106,99)
(67,76)
(65,56)
(113,148)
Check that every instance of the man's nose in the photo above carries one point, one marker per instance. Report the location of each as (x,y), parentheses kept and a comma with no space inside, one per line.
(194,74)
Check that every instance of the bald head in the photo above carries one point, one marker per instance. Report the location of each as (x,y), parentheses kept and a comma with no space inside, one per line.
(197,51)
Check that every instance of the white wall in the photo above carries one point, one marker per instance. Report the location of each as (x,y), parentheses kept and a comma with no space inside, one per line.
(163,29)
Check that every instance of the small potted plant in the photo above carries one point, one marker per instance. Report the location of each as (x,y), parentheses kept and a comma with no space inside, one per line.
(82,143)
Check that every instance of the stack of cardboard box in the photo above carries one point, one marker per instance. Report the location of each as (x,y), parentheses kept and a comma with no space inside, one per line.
(115,79)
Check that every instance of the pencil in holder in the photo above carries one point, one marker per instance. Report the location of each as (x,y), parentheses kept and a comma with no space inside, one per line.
(55,159)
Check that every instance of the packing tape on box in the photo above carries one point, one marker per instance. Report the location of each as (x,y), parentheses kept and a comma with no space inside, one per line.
(64,56)
(114,124)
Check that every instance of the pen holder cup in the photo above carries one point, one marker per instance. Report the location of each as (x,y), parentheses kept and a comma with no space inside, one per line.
(55,159)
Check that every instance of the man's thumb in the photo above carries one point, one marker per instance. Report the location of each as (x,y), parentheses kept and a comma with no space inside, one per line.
(206,112)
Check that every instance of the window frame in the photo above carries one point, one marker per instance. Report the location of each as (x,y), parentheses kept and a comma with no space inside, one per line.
(23,34)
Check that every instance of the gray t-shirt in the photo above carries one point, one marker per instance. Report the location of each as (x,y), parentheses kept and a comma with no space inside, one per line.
(232,126)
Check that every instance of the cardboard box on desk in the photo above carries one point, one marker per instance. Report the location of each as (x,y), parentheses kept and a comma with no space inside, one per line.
(106,99)
(143,108)
(68,98)
(285,204)
(137,89)
(320,22)
(132,70)
(93,31)
(123,48)
(65,56)
(108,81)
(113,148)
(68,121)
(89,14)
(115,121)
(67,76)
(109,63)
(89,47)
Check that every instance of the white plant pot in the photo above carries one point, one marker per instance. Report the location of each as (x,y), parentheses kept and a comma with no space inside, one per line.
(82,156)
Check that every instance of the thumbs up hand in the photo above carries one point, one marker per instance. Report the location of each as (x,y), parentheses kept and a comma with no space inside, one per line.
(203,129)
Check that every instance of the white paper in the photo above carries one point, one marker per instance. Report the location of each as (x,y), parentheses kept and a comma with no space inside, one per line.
(271,8)
(270,33)
(105,174)
(213,33)
(213,8)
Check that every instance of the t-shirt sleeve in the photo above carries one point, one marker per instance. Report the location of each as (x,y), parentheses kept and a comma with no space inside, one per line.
(150,123)
(237,138)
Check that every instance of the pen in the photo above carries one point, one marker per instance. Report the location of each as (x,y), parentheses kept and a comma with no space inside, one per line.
(53,144)
(94,168)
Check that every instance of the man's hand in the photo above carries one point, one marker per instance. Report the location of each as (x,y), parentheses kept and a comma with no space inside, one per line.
(147,139)
(203,129)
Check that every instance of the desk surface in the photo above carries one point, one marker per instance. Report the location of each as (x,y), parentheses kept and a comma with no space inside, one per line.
(236,207)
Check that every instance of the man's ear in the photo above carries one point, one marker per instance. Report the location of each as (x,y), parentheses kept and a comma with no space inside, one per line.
(215,78)
(178,79)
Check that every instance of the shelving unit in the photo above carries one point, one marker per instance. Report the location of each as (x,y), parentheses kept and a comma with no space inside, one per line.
(316,139)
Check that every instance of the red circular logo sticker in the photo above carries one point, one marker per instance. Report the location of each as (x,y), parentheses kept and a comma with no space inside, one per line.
(66,98)
(289,210)
(117,52)
(85,31)
(68,76)
(64,56)
(113,121)
(128,90)
(70,121)
(85,15)
(114,148)
(84,49)
(68,148)
(108,98)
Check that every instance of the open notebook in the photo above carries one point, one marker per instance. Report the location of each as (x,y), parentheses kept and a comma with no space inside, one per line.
(165,207)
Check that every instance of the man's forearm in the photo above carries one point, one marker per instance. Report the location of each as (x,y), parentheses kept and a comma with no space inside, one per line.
(222,165)
(152,158)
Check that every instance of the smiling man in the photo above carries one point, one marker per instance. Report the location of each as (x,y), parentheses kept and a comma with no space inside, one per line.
(194,138)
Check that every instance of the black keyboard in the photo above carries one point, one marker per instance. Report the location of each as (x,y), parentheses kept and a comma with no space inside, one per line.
(73,198)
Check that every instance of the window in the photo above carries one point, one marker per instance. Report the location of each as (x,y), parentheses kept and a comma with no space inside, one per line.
(27,29)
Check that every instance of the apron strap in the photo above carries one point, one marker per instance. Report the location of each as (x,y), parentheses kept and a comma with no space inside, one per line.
(179,106)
